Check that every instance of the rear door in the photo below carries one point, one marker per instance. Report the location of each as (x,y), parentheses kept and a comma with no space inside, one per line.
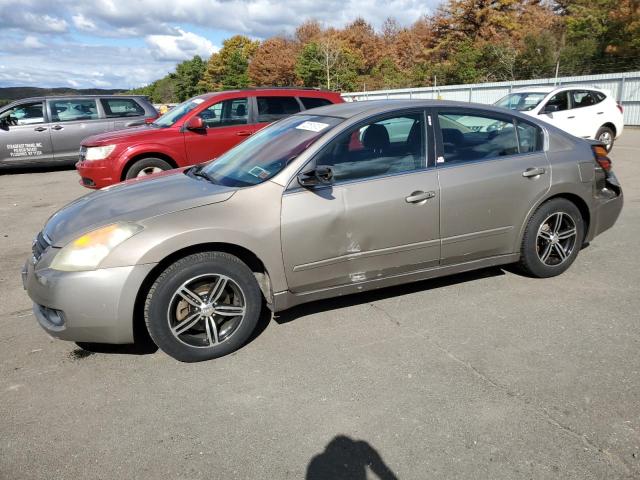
(492,168)
(585,110)
(73,120)
(379,218)
(122,112)
(24,134)
(227,124)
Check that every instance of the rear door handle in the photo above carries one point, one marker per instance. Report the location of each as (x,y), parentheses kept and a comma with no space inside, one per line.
(40,129)
(419,196)
(572,116)
(244,133)
(57,127)
(533,172)
(600,113)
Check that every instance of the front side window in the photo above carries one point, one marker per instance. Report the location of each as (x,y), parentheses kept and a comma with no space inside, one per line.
(474,137)
(557,103)
(226,113)
(522,101)
(266,153)
(385,147)
(23,114)
(67,110)
(274,108)
(121,107)
(583,98)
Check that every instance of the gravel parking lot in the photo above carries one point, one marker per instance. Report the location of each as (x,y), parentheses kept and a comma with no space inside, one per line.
(482,375)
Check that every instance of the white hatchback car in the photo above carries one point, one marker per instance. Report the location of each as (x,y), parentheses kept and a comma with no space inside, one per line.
(586,112)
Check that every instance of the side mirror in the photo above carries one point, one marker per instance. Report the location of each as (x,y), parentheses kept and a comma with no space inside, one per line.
(550,109)
(321,175)
(195,123)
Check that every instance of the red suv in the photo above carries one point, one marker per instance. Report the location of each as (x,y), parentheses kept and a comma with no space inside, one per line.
(195,131)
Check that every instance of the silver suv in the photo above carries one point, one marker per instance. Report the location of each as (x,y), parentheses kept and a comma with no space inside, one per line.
(44,130)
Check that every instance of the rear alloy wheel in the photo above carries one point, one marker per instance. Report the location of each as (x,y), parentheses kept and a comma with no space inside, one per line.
(552,239)
(606,136)
(147,166)
(203,306)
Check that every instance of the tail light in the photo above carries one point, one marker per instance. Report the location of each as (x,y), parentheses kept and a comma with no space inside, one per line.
(601,156)
(150,120)
(620,107)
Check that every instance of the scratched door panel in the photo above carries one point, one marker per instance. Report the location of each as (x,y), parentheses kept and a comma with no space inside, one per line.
(360,231)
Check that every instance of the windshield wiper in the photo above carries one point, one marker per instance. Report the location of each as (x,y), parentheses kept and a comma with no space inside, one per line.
(198,171)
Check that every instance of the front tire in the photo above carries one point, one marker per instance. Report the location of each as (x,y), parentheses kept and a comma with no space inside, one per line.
(552,239)
(607,136)
(203,306)
(147,166)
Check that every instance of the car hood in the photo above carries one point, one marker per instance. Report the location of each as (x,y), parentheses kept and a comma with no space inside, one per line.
(132,202)
(128,135)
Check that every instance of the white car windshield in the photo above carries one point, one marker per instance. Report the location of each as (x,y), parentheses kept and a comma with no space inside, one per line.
(266,153)
(522,101)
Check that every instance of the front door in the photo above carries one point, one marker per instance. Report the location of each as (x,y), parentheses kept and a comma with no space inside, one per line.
(586,112)
(73,120)
(379,218)
(491,169)
(24,134)
(227,124)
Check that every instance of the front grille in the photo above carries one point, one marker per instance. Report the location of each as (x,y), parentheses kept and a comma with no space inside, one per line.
(40,244)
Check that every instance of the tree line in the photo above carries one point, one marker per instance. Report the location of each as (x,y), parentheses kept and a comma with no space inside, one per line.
(463,41)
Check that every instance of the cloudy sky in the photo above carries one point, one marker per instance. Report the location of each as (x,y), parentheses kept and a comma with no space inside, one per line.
(128,43)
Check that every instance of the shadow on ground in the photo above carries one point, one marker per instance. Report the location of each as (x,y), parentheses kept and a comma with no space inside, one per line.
(346,459)
(20,170)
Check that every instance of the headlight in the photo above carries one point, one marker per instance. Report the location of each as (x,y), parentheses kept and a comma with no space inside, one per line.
(99,153)
(87,251)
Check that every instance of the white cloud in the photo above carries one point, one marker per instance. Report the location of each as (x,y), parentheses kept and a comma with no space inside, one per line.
(179,47)
(31,42)
(83,23)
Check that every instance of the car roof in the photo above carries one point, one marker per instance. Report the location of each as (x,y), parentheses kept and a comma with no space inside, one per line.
(65,97)
(372,107)
(556,88)
(290,90)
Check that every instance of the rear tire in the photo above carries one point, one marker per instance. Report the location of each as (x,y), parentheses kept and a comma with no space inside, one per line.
(147,166)
(552,239)
(607,136)
(203,306)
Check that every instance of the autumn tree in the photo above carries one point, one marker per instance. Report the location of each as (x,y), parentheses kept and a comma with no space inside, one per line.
(327,63)
(228,68)
(274,62)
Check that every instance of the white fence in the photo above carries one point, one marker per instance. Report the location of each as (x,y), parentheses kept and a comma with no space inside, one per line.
(625,88)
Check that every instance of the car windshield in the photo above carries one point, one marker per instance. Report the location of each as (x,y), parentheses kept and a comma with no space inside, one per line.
(176,113)
(522,101)
(266,153)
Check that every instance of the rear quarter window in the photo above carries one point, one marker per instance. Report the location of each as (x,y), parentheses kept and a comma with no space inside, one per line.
(314,102)
(271,109)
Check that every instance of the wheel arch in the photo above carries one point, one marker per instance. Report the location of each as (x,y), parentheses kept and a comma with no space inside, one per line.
(256,265)
(611,126)
(140,156)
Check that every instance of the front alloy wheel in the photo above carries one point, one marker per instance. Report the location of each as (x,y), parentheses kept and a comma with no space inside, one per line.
(204,306)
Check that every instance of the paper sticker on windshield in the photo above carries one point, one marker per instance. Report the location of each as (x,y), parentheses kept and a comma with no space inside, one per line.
(259,172)
(312,126)
(197,101)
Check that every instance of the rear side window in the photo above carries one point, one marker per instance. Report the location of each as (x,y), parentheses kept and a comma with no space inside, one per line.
(226,113)
(311,102)
(67,110)
(584,98)
(468,138)
(530,137)
(121,107)
(273,108)
(23,114)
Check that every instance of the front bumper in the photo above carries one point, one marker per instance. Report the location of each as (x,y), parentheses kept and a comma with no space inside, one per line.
(96,174)
(95,306)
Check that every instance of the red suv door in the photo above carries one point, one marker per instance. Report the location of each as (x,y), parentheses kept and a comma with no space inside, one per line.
(227,124)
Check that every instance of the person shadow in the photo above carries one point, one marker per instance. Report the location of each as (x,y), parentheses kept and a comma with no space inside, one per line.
(347,459)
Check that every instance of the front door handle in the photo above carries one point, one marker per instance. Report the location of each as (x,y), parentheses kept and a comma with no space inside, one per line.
(419,196)
(57,127)
(244,133)
(571,117)
(533,172)
(40,129)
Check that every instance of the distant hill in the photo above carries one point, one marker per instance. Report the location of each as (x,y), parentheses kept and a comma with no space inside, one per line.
(9,94)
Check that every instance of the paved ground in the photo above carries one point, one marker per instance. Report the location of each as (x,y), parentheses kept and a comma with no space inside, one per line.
(485,375)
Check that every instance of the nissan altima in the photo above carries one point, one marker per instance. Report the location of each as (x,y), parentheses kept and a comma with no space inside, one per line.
(331,201)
